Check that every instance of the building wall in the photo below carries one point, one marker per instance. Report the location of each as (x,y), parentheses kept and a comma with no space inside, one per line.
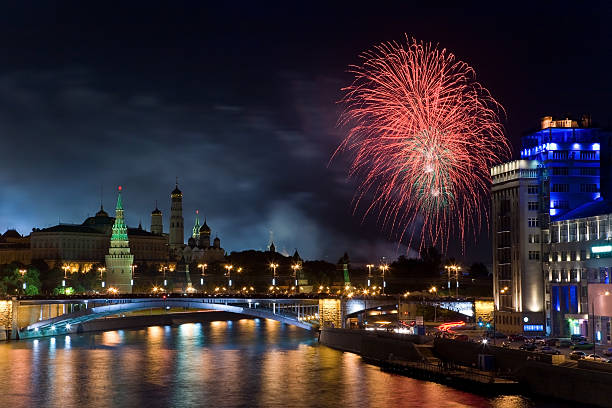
(85,249)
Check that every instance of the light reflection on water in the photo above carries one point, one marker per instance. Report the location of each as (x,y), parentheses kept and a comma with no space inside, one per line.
(244,363)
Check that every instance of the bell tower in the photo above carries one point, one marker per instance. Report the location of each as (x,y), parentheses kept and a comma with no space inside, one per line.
(176,239)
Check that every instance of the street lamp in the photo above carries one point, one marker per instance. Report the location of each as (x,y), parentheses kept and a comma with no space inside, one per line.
(384,268)
(454,268)
(273,266)
(66,268)
(295,268)
(203,268)
(606,293)
(370,266)
(229,268)
(132,280)
(23,272)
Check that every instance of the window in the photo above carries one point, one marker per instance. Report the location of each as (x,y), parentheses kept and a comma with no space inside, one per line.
(559,155)
(532,205)
(573,255)
(560,171)
(589,171)
(533,222)
(582,254)
(532,189)
(534,255)
(560,188)
(588,188)
(588,155)
(564,255)
(534,238)
(562,204)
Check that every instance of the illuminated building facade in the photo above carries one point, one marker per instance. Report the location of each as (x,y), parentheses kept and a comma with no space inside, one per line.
(558,172)
(577,268)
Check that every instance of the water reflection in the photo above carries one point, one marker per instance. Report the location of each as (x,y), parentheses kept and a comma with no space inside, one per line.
(240,363)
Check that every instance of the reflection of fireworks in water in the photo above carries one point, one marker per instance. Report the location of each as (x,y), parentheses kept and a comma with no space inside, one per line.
(424,134)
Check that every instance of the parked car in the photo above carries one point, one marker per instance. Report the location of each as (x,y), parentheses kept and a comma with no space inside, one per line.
(551,342)
(506,344)
(577,355)
(496,335)
(516,337)
(577,338)
(565,343)
(583,345)
(607,352)
(461,337)
(540,342)
(528,347)
(596,357)
(549,350)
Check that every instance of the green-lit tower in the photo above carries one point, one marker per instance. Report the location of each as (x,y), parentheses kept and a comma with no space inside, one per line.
(119,260)
(196,227)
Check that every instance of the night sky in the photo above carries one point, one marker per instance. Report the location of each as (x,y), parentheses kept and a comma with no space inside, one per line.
(240,103)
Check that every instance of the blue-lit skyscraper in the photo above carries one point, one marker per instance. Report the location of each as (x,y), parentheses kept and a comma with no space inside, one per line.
(559,171)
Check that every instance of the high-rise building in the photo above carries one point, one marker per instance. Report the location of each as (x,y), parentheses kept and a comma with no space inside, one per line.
(176,240)
(119,260)
(558,172)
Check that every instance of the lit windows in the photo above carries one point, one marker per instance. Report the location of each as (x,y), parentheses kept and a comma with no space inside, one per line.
(532,205)
(532,189)
(533,222)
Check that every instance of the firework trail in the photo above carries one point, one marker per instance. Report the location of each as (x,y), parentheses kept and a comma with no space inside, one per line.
(423,135)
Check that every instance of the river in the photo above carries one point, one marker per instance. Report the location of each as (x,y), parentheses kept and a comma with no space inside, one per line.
(242,363)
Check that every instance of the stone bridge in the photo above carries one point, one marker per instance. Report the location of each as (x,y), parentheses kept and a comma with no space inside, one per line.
(35,317)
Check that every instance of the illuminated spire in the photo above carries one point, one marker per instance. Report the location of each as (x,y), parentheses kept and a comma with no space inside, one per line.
(196,227)
(119,228)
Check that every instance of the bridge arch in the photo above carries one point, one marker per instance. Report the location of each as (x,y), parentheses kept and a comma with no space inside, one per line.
(259,308)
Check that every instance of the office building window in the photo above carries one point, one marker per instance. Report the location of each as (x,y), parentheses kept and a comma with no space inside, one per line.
(533,222)
(532,189)
(582,254)
(589,171)
(534,238)
(532,205)
(560,188)
(560,171)
(563,255)
(534,255)
(559,155)
(588,155)
(573,255)
(589,188)
(561,204)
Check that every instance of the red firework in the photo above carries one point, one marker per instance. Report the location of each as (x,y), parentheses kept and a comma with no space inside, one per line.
(424,134)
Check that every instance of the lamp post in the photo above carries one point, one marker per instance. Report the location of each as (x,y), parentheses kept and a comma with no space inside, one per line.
(434,290)
(295,268)
(229,268)
(133,270)
(606,293)
(23,272)
(384,268)
(203,268)
(273,266)
(369,266)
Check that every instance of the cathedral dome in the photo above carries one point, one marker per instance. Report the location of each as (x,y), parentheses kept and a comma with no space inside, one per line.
(156,211)
(176,191)
(191,242)
(101,213)
(205,228)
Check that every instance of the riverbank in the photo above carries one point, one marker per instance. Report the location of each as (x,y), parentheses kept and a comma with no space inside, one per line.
(455,363)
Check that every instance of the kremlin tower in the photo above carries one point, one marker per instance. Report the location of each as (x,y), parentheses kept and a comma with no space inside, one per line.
(119,259)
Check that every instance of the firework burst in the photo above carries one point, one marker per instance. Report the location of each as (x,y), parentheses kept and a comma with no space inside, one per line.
(423,134)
